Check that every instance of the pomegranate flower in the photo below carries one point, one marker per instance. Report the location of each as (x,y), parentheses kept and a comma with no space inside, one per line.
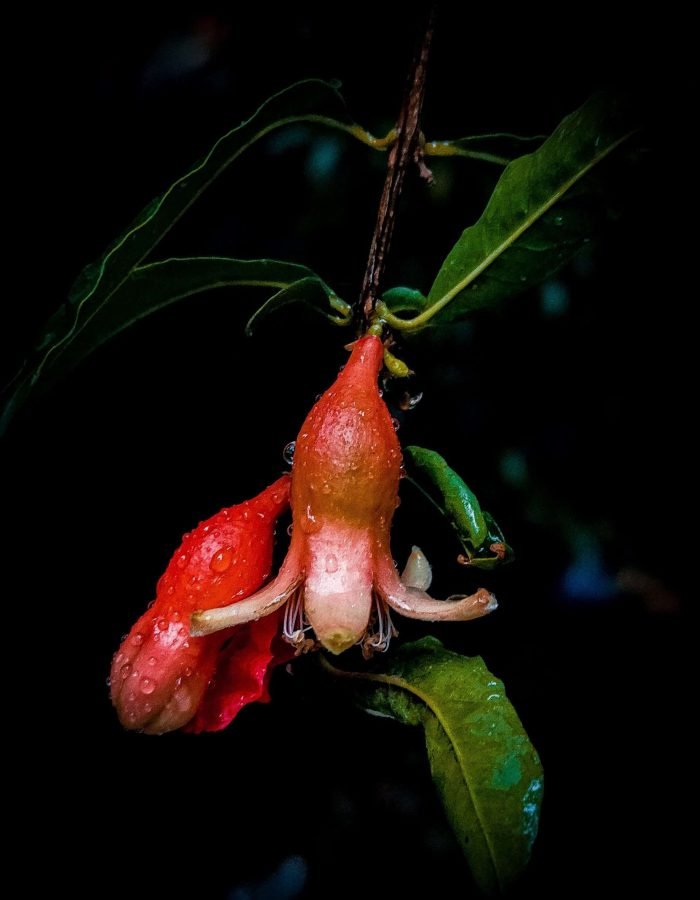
(338,577)
(163,678)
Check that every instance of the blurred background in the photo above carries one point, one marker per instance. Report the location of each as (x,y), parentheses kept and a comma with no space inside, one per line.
(564,411)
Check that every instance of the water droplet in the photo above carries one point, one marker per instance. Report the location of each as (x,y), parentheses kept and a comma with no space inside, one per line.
(331,563)
(109,682)
(395,423)
(182,560)
(152,660)
(410,401)
(137,638)
(148,685)
(125,670)
(221,560)
(176,616)
(148,707)
(290,529)
(559,220)
(402,471)
(171,589)
(162,624)
(288,452)
(326,488)
(187,672)
(523,277)
(309,523)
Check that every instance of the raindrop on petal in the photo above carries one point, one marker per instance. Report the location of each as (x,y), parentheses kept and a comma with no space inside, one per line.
(221,560)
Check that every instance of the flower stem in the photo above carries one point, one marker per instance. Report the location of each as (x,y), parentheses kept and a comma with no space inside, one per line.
(405,150)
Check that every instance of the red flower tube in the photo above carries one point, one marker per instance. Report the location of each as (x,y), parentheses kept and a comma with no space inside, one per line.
(162,678)
(339,568)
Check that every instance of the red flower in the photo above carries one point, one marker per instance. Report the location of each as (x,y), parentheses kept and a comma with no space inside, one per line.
(163,678)
(339,576)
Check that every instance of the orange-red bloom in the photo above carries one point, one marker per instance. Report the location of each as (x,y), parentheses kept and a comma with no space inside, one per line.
(163,678)
(338,575)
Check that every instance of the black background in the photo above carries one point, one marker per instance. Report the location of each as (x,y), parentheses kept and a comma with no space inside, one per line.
(182,415)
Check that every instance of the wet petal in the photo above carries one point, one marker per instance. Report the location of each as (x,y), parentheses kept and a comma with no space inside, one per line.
(242,674)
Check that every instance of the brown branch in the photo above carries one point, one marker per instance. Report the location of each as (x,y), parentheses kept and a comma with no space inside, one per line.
(404,150)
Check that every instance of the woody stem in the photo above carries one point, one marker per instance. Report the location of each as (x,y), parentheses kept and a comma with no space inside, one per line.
(405,149)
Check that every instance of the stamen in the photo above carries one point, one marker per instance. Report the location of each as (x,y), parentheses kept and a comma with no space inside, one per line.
(295,627)
(379,631)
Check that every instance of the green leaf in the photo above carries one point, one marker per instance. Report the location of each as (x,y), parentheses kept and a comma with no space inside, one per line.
(477,531)
(99,283)
(404,299)
(544,208)
(313,292)
(487,772)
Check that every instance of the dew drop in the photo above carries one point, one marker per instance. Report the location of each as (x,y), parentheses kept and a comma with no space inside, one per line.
(309,523)
(171,589)
(187,672)
(221,560)
(326,488)
(152,660)
(402,471)
(288,452)
(290,528)
(176,616)
(182,560)
(410,401)
(523,277)
(137,638)
(125,670)
(331,563)
(109,682)
(148,707)
(148,685)
(395,423)
(558,220)
(162,624)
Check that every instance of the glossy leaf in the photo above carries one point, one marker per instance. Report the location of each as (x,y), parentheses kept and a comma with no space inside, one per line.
(404,299)
(477,531)
(311,291)
(487,772)
(98,284)
(156,285)
(544,208)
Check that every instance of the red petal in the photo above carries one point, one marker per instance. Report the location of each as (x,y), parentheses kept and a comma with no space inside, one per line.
(242,674)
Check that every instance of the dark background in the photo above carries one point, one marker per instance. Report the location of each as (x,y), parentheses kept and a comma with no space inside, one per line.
(564,411)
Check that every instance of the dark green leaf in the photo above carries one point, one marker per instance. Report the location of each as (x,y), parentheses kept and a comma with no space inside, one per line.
(476,529)
(311,291)
(98,284)
(545,206)
(404,299)
(486,770)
